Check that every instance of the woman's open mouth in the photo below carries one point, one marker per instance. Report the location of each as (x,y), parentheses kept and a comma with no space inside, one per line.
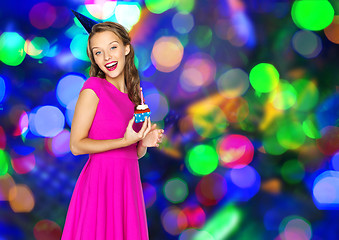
(111,66)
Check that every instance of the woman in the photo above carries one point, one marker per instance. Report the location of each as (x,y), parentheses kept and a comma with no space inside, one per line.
(107,201)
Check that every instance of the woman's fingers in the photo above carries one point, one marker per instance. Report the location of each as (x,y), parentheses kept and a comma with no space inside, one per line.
(149,126)
(142,130)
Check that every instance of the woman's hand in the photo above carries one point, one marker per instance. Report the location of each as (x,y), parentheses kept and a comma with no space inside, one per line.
(131,136)
(153,137)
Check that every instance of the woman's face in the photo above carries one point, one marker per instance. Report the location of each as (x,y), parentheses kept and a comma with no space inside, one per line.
(109,53)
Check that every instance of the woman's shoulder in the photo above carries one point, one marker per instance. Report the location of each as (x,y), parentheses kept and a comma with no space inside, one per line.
(93,83)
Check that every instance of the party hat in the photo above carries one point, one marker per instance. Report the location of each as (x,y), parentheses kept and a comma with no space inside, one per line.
(86,22)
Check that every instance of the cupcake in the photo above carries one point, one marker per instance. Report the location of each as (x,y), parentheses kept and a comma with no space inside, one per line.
(142,110)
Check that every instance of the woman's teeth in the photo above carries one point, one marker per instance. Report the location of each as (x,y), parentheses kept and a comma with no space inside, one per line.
(112,66)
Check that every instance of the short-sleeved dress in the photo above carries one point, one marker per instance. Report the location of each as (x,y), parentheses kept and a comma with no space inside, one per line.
(107,201)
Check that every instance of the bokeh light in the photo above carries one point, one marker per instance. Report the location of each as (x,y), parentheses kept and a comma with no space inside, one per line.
(68,88)
(24,164)
(312,15)
(173,220)
(272,146)
(199,70)
(6,183)
(2,89)
(182,22)
(332,31)
(195,215)
(128,14)
(311,128)
(307,93)
(335,161)
(42,15)
(235,151)
(293,171)
(4,162)
(47,121)
(59,145)
(79,47)
(233,83)
(159,7)
(202,35)
(12,48)
(222,224)
(283,96)
(295,227)
(307,43)
(167,53)
(101,9)
(328,144)
(158,104)
(237,176)
(202,160)
(47,229)
(264,77)
(22,198)
(325,190)
(290,135)
(175,190)
(37,48)
(247,179)
(211,189)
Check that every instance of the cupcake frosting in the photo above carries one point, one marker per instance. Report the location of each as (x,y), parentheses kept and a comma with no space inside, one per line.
(142,107)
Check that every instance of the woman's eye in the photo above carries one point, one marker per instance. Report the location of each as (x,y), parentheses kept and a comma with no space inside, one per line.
(113,47)
(97,53)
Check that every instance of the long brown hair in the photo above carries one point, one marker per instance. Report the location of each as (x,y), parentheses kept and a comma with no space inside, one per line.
(132,79)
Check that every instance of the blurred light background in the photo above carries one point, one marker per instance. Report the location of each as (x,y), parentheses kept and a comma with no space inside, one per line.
(246,90)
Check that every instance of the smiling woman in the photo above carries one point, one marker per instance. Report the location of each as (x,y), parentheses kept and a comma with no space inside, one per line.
(107,202)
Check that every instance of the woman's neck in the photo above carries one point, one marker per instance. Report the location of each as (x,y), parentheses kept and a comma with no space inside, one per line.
(118,82)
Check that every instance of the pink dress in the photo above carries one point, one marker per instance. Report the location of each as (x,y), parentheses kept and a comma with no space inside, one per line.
(107,201)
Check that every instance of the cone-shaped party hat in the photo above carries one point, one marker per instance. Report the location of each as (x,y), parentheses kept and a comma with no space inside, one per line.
(86,22)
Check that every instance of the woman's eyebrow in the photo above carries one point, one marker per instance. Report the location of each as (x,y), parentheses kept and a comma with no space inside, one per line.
(107,44)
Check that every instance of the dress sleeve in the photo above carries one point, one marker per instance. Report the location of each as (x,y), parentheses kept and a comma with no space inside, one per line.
(94,84)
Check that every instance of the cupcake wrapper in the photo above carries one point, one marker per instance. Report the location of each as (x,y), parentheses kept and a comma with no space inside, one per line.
(140,117)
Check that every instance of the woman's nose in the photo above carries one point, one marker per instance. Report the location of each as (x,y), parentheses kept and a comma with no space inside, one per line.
(107,56)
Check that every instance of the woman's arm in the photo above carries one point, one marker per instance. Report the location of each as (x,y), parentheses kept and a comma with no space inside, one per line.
(141,150)
(82,120)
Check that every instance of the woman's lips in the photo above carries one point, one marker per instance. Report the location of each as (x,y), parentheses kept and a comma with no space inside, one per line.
(113,67)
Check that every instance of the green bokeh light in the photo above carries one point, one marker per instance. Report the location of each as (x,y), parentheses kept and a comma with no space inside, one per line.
(4,162)
(12,48)
(291,135)
(158,7)
(222,224)
(307,93)
(175,190)
(202,36)
(264,77)
(202,160)
(292,171)
(310,127)
(313,15)
(185,5)
(41,47)
(284,96)
(272,145)
(79,47)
